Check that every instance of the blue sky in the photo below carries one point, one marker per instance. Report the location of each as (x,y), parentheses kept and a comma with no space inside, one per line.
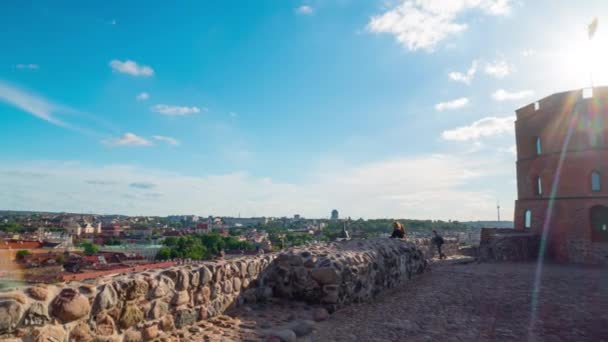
(376,108)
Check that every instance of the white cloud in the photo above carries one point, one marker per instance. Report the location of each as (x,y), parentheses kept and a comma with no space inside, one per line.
(175,110)
(498,69)
(418,24)
(129,139)
(512,150)
(28,66)
(465,77)
(503,95)
(30,103)
(528,52)
(168,140)
(454,104)
(428,186)
(485,127)
(304,9)
(142,96)
(131,68)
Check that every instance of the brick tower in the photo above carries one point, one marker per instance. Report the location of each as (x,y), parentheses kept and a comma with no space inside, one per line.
(562,173)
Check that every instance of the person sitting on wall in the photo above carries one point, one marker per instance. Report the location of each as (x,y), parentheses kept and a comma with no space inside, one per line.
(438,241)
(398,230)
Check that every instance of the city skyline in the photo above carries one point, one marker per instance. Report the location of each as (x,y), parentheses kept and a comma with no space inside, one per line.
(380,109)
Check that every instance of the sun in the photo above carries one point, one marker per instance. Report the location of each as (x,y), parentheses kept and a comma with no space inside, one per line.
(582,61)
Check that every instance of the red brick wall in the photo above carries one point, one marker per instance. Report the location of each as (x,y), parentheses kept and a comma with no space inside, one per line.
(569,229)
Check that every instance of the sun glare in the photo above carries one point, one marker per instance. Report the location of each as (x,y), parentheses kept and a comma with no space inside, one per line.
(582,62)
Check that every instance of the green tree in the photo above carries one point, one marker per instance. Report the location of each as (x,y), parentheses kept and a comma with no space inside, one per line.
(170,241)
(21,254)
(213,242)
(164,254)
(89,248)
(113,242)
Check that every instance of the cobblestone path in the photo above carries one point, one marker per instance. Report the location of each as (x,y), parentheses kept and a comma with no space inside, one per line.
(451,302)
(481,302)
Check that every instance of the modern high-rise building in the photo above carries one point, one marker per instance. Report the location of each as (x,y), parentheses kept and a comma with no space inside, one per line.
(334,214)
(562,170)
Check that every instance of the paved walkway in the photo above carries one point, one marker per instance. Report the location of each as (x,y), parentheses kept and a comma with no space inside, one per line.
(481,302)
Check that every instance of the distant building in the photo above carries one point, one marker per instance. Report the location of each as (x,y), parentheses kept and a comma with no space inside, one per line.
(562,161)
(334,215)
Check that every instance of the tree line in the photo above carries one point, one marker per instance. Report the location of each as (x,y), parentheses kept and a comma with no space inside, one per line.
(199,247)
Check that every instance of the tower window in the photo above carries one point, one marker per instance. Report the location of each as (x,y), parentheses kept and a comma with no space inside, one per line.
(528,219)
(596,182)
(539,148)
(539,186)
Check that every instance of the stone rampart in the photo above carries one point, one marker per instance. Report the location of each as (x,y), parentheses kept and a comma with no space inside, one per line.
(134,306)
(508,245)
(429,250)
(148,305)
(341,273)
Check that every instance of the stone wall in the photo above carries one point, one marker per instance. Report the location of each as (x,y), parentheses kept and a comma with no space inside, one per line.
(133,306)
(147,305)
(429,250)
(508,245)
(341,273)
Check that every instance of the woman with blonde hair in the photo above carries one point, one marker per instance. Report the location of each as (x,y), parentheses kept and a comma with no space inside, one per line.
(398,230)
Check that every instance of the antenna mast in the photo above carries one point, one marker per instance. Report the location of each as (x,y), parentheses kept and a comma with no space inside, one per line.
(498,210)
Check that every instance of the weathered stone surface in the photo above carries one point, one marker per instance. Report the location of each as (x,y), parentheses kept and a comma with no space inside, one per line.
(320,314)
(183,280)
(284,335)
(228,286)
(167,323)
(206,275)
(216,291)
(50,333)
(302,328)
(195,279)
(150,332)
(105,325)
(70,305)
(325,275)
(87,290)
(81,333)
(37,314)
(185,317)
(252,269)
(164,286)
(236,284)
(10,314)
(330,294)
(137,288)
(38,292)
(131,315)
(158,309)
(105,299)
(17,296)
(133,335)
(183,295)
(344,272)
(181,298)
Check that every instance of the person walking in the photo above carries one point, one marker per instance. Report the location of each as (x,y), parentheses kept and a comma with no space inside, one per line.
(398,230)
(438,241)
